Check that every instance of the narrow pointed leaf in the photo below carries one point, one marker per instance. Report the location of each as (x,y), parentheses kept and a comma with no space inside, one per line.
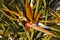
(11,18)
(2,26)
(29,11)
(55,15)
(37,17)
(20,13)
(11,12)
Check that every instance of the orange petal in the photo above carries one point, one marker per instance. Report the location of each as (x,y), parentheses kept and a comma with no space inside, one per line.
(29,12)
(37,17)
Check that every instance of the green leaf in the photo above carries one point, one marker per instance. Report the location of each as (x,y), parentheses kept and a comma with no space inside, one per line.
(2,26)
(56,28)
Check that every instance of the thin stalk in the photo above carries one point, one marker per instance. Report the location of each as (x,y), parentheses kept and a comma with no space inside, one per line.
(46,19)
(8,15)
(37,5)
(1,16)
(25,38)
(38,35)
(11,2)
(43,21)
(4,6)
(15,24)
(27,33)
(32,33)
(34,6)
(44,1)
(49,37)
(45,38)
(22,3)
(6,32)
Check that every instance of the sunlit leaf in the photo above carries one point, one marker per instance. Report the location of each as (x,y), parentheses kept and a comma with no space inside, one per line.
(29,11)
(11,12)
(37,6)
(2,27)
(37,17)
(11,2)
(20,13)
(8,15)
(55,15)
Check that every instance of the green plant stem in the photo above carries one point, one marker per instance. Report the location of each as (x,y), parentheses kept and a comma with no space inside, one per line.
(32,33)
(37,5)
(44,1)
(27,33)
(46,19)
(11,2)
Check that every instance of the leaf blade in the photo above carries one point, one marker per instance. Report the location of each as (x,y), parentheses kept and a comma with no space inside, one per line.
(29,11)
